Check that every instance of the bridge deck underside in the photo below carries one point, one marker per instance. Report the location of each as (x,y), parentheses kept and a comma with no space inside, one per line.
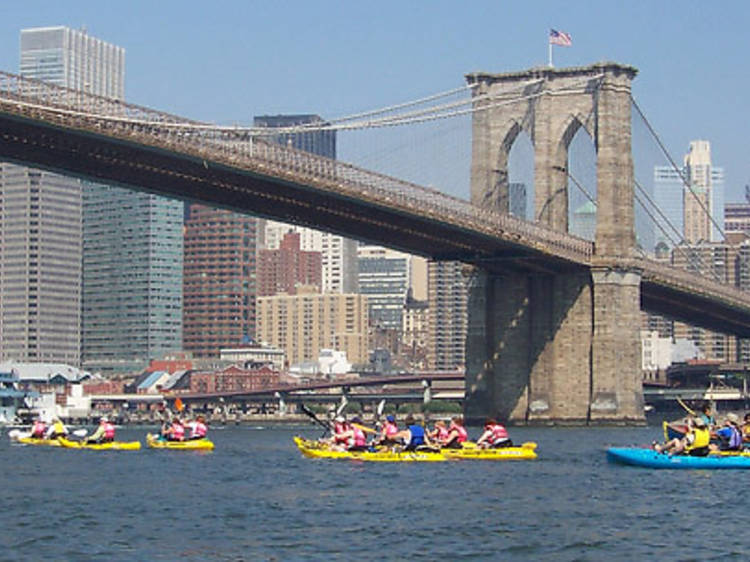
(701,310)
(107,160)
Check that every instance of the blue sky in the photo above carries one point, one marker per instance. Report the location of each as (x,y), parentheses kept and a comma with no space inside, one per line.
(225,61)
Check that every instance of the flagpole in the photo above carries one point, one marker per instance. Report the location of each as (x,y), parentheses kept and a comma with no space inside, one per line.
(549,44)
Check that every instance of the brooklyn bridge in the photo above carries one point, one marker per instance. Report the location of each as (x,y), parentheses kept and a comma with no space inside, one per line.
(553,327)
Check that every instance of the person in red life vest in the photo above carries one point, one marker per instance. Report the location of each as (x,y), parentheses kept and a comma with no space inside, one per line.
(495,436)
(198,429)
(439,433)
(348,436)
(387,434)
(176,431)
(457,434)
(38,429)
(105,433)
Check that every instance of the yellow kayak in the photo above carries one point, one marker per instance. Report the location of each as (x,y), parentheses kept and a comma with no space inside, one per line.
(37,441)
(527,451)
(317,450)
(111,446)
(154,442)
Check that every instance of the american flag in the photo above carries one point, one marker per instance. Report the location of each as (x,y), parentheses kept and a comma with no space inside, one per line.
(559,38)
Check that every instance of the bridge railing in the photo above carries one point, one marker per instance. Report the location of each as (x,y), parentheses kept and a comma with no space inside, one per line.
(669,275)
(239,148)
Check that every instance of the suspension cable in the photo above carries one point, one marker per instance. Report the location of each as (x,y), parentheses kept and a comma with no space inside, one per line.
(678,170)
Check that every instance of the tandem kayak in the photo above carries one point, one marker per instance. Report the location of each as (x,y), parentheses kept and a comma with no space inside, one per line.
(651,459)
(317,450)
(111,446)
(154,442)
(526,451)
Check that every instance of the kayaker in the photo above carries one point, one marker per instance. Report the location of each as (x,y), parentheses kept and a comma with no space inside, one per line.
(348,436)
(57,429)
(38,428)
(439,432)
(457,434)
(413,436)
(176,431)
(746,428)
(495,436)
(390,428)
(695,443)
(198,429)
(105,433)
(730,436)
(707,417)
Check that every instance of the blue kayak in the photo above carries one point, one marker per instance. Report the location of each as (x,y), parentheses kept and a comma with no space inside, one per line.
(651,459)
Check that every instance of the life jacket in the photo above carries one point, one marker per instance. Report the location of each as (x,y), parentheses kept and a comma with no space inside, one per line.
(360,439)
(735,439)
(198,430)
(58,429)
(702,437)
(109,431)
(442,433)
(38,429)
(499,434)
(417,436)
(461,430)
(178,432)
(339,429)
(390,429)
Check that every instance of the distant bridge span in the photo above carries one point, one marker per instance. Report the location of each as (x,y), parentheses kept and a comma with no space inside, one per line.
(299,390)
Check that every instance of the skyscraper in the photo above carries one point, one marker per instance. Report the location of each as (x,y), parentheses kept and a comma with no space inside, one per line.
(448,296)
(322,143)
(219,281)
(685,207)
(132,278)
(41,213)
(282,271)
(385,277)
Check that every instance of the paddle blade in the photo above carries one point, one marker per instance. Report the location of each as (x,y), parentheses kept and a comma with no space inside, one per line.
(381,407)
(80,432)
(179,406)
(365,428)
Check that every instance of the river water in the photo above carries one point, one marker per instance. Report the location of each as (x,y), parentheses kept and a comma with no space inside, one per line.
(256,498)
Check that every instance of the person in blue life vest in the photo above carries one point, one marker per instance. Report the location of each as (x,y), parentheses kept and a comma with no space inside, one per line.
(413,436)
(729,435)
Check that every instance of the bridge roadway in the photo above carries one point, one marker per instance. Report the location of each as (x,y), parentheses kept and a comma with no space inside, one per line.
(292,393)
(112,142)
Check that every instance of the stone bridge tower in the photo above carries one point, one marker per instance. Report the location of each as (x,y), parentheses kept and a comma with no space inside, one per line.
(549,345)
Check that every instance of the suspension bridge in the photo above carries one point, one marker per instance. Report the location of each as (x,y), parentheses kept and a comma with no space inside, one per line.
(553,318)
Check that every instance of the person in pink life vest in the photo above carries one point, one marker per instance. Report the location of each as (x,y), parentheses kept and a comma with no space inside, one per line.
(439,434)
(198,429)
(389,431)
(350,437)
(176,431)
(38,429)
(105,433)
(457,434)
(495,436)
